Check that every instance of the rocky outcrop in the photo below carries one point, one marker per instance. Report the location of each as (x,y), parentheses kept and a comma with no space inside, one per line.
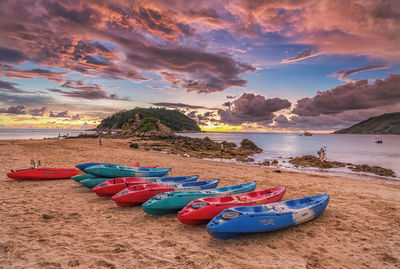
(131,128)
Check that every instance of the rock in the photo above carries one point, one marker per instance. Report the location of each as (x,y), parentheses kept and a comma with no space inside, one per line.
(274,162)
(248,144)
(373,169)
(312,161)
(266,163)
(134,145)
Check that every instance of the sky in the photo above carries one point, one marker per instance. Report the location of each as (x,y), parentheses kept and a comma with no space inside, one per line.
(251,66)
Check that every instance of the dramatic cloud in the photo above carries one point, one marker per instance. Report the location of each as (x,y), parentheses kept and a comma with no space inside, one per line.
(252,108)
(180,105)
(10,55)
(92,92)
(17,110)
(351,96)
(11,72)
(307,53)
(343,74)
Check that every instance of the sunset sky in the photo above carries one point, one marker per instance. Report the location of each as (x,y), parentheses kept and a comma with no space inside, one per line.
(271,66)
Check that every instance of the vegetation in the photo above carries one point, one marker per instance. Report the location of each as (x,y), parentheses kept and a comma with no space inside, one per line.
(382,124)
(147,124)
(173,119)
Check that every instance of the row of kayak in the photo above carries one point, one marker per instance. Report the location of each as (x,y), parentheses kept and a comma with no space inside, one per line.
(230,211)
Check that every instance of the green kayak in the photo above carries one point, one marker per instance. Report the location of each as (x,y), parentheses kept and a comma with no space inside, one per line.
(93,182)
(174,201)
(80,177)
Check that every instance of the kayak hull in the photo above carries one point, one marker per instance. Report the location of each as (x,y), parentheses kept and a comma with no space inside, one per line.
(44,173)
(203,210)
(81,177)
(138,194)
(237,221)
(113,186)
(113,171)
(178,200)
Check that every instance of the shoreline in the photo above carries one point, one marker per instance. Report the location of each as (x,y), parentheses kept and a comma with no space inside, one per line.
(58,224)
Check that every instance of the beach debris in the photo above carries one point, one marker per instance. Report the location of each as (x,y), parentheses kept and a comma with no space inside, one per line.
(46,216)
(277,171)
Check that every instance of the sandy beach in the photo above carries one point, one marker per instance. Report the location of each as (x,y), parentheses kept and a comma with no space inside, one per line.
(59,224)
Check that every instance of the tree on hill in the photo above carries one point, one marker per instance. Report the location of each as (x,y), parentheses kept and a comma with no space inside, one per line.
(173,119)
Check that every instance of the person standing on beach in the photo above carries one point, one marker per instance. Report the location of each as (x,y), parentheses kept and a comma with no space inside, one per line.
(100,142)
(321,154)
(222,149)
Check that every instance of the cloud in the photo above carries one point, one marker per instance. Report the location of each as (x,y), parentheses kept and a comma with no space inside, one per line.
(17,110)
(10,55)
(181,105)
(230,96)
(80,90)
(305,54)
(63,114)
(343,74)
(252,108)
(76,117)
(10,87)
(38,111)
(10,72)
(351,96)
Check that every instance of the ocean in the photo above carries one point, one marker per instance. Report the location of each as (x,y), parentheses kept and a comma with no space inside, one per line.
(14,133)
(347,148)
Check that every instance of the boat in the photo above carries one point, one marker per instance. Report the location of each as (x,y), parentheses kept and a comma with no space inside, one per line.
(43,173)
(113,186)
(174,201)
(306,133)
(204,209)
(114,170)
(83,166)
(138,194)
(378,140)
(237,221)
(80,177)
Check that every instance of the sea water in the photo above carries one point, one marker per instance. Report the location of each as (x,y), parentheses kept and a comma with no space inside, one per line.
(19,133)
(347,148)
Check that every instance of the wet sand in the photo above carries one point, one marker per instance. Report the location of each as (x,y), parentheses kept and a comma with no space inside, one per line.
(59,224)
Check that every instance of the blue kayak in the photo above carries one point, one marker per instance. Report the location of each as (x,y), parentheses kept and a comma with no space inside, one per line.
(83,166)
(114,170)
(175,200)
(237,221)
(81,177)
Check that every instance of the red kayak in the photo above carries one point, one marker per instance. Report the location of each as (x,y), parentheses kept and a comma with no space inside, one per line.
(110,187)
(43,173)
(205,209)
(138,194)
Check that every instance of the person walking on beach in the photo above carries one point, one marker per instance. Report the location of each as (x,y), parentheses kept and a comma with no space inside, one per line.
(100,142)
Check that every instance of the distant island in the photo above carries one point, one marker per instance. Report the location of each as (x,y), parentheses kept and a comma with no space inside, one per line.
(382,124)
(177,121)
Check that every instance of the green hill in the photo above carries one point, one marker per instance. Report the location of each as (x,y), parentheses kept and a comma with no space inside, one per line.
(382,124)
(174,119)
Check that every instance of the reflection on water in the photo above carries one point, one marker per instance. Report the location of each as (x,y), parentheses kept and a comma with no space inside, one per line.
(353,148)
(13,133)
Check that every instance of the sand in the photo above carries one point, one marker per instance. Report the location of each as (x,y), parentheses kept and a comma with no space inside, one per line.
(58,224)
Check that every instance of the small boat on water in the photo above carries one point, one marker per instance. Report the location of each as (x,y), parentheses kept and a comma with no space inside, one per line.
(43,173)
(237,221)
(306,133)
(138,194)
(113,186)
(175,200)
(378,140)
(204,209)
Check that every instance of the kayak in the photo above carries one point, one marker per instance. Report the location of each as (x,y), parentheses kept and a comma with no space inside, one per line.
(203,210)
(113,171)
(138,194)
(237,221)
(83,166)
(113,186)
(174,201)
(43,173)
(80,177)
